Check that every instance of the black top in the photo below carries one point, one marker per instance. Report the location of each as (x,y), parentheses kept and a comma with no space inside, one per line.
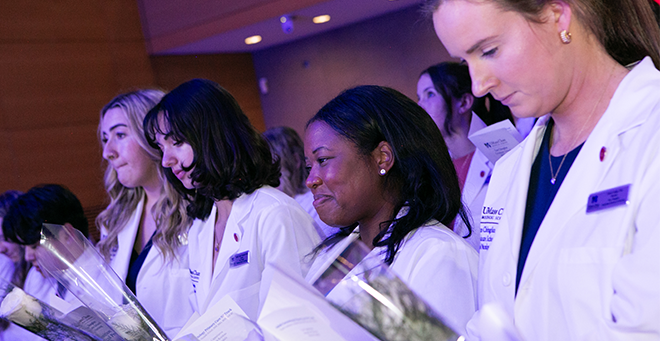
(541,193)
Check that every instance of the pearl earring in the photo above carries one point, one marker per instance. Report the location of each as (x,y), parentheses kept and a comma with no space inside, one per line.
(382,172)
(565,37)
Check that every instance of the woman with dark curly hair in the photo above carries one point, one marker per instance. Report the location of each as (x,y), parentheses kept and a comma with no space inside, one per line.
(224,168)
(379,168)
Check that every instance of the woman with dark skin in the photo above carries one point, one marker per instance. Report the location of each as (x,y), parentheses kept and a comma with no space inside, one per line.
(373,173)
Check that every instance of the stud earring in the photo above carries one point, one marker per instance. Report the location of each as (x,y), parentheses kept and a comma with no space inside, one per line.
(382,172)
(565,37)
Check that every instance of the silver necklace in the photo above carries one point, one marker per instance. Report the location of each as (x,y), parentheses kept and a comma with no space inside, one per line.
(553,176)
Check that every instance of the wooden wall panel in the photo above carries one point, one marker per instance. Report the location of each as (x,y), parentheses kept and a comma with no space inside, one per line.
(234,72)
(60,62)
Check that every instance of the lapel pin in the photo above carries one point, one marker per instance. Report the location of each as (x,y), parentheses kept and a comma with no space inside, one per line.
(603,152)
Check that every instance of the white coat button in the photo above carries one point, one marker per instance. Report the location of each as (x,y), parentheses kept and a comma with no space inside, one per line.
(506,279)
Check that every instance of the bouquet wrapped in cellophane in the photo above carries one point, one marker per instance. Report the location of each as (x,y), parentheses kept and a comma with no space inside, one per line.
(71,259)
(365,289)
(38,317)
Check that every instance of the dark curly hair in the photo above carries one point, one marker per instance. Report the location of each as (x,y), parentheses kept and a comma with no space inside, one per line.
(230,156)
(423,173)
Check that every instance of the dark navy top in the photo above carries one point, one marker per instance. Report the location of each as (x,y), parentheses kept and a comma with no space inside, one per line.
(135,265)
(541,193)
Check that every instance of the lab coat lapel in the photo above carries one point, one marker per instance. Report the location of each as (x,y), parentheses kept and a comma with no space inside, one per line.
(230,245)
(584,179)
(201,253)
(521,172)
(125,242)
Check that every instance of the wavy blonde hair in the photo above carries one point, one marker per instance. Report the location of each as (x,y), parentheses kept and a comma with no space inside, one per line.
(169,210)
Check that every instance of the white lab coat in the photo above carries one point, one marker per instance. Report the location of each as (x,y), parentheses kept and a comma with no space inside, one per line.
(272,228)
(436,263)
(588,276)
(163,288)
(474,189)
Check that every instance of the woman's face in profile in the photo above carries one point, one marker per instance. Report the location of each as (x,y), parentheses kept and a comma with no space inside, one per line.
(345,184)
(429,99)
(521,63)
(133,165)
(177,155)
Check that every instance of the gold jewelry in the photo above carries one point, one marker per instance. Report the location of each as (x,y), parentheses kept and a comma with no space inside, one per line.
(553,176)
(565,37)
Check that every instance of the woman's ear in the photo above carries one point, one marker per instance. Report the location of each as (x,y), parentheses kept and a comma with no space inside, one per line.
(560,13)
(384,156)
(464,105)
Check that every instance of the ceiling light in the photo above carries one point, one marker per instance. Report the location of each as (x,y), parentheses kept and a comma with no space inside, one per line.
(252,40)
(321,19)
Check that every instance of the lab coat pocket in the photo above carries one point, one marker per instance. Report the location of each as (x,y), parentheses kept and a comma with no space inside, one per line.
(583,275)
(248,299)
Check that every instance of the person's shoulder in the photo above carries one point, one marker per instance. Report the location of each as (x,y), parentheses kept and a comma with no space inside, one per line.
(433,235)
(269,196)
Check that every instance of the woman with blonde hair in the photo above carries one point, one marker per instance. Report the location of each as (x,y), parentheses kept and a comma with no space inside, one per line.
(569,223)
(144,228)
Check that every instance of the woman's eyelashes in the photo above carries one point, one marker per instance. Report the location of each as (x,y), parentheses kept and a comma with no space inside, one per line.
(320,161)
(489,53)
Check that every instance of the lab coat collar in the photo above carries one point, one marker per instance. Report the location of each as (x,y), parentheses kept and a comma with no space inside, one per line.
(126,240)
(572,197)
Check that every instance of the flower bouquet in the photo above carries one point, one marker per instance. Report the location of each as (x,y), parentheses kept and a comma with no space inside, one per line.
(363,288)
(36,316)
(71,259)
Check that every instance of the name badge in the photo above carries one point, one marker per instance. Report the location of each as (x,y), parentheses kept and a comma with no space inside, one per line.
(239,259)
(612,197)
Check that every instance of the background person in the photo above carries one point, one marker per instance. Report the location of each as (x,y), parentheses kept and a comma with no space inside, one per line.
(445,91)
(13,269)
(373,172)
(50,203)
(562,266)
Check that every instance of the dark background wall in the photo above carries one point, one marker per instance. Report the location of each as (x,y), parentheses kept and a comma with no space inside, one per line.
(61,61)
(304,75)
